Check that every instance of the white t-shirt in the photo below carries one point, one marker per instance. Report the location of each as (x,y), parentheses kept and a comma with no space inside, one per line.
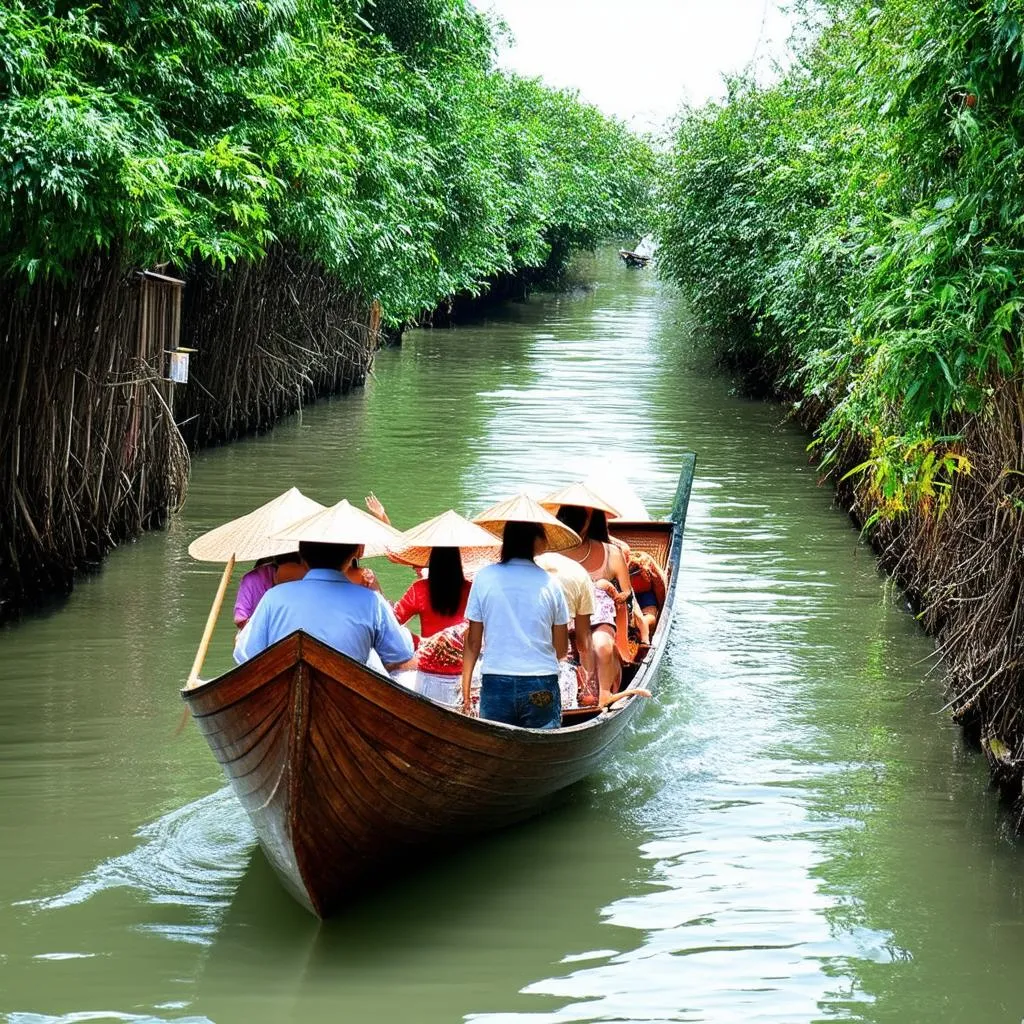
(518,603)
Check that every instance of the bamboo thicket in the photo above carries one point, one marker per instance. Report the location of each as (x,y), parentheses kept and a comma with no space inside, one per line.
(268,336)
(380,141)
(88,446)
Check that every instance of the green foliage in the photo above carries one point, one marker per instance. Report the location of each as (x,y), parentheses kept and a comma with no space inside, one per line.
(377,137)
(860,224)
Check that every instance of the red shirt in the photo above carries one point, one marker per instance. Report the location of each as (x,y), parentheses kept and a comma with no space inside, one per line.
(416,601)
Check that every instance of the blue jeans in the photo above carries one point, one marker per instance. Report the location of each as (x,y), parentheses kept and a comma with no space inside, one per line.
(533,702)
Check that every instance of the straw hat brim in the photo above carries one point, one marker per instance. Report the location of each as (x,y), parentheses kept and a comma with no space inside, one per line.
(447,530)
(473,559)
(523,509)
(579,494)
(251,537)
(343,524)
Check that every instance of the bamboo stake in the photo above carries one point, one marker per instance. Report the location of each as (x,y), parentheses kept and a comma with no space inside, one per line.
(204,643)
(211,622)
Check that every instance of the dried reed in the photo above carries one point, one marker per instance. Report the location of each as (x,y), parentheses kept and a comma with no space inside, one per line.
(89,448)
(964,570)
(89,451)
(270,337)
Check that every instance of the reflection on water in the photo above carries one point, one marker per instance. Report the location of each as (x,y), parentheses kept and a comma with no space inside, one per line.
(793,832)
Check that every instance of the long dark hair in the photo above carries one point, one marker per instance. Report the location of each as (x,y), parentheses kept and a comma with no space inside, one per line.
(575,517)
(598,528)
(445,580)
(518,538)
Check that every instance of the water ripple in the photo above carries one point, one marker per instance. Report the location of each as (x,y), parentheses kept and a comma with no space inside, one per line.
(194,856)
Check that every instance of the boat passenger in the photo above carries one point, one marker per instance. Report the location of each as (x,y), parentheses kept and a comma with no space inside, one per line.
(579,596)
(289,567)
(649,584)
(350,618)
(520,612)
(254,584)
(645,596)
(267,572)
(449,546)
(440,599)
(604,562)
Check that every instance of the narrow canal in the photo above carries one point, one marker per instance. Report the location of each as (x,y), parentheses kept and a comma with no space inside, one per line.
(795,832)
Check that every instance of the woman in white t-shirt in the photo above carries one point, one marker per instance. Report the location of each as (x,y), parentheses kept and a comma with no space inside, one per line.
(520,611)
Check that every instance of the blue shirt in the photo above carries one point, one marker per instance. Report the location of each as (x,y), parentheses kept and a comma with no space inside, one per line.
(350,618)
(518,602)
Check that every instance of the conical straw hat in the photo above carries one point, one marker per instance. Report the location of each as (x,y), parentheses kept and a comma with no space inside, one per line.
(343,524)
(523,509)
(448,530)
(248,538)
(577,494)
(617,489)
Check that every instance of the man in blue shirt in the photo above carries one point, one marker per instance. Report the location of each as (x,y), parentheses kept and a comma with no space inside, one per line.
(325,604)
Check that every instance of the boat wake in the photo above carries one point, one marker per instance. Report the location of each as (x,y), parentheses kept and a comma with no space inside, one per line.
(100,1015)
(193,856)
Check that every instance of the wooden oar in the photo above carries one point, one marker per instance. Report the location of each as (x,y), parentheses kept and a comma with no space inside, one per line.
(204,643)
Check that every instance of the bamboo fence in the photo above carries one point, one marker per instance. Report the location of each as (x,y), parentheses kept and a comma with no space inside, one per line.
(269,337)
(89,450)
(91,445)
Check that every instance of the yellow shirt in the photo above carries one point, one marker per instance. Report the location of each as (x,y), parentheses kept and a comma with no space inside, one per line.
(574,580)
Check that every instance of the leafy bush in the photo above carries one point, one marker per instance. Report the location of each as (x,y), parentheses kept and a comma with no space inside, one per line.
(859,224)
(376,137)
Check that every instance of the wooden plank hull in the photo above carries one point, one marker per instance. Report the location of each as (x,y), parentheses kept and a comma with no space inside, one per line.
(343,771)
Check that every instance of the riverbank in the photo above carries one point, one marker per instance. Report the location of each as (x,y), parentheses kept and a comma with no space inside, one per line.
(97,437)
(264,340)
(960,569)
(851,231)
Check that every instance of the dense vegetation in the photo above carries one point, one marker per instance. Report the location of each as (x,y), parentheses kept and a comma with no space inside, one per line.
(303,166)
(376,138)
(856,232)
(859,225)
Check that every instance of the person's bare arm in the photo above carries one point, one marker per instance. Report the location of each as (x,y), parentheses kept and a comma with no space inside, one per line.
(584,644)
(618,566)
(560,638)
(471,646)
(369,579)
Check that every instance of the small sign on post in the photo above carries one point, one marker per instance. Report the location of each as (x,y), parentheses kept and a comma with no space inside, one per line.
(178,371)
(177,364)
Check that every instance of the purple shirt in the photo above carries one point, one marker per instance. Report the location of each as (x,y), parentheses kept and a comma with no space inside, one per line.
(254,585)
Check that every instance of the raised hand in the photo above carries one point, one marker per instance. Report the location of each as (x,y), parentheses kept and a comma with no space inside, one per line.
(376,508)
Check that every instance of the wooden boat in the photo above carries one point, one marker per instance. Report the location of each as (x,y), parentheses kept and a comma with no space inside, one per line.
(633,259)
(343,771)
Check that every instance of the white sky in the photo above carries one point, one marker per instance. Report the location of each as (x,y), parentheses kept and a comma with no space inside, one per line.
(640,59)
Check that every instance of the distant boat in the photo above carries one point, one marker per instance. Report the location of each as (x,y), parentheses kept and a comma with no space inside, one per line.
(344,772)
(642,254)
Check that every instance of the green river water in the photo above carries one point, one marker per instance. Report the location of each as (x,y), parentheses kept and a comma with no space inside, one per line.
(793,833)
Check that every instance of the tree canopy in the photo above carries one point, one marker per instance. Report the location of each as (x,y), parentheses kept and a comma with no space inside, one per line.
(859,224)
(379,138)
